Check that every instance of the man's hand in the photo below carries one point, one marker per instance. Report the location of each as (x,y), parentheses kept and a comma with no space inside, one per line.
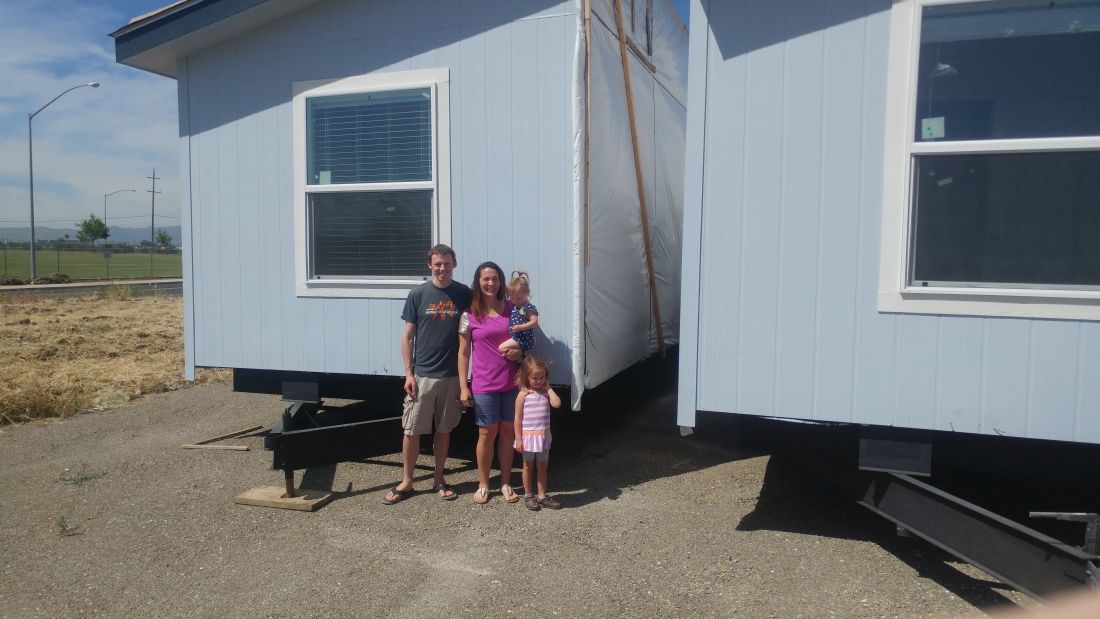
(512,354)
(464,396)
(410,385)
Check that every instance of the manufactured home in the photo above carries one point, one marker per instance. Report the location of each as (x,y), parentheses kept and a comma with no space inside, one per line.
(892,221)
(325,146)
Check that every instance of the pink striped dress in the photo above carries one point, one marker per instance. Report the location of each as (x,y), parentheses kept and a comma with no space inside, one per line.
(536,422)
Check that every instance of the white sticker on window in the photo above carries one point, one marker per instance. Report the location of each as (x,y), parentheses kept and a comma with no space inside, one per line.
(931,128)
(324,178)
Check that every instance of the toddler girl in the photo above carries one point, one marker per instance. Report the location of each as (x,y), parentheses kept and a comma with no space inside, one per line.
(524,317)
(532,424)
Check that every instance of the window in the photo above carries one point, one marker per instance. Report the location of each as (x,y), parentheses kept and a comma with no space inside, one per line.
(993,206)
(371,182)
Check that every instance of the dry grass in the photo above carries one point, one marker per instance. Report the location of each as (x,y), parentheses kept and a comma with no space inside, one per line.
(60,356)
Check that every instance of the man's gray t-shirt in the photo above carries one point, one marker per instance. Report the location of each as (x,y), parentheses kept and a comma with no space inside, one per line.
(435,312)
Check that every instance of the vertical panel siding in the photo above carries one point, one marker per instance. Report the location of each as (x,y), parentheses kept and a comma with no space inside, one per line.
(721,351)
(553,227)
(958,378)
(790,217)
(1088,384)
(800,204)
(687,383)
(184,144)
(511,70)
(760,190)
(1006,351)
(1052,388)
(873,364)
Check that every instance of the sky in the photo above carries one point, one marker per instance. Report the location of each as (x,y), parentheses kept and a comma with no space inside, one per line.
(92,141)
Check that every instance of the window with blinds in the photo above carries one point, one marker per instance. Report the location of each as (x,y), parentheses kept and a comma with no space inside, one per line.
(370,138)
(370,188)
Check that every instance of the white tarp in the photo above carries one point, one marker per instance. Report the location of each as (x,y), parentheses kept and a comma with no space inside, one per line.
(618,314)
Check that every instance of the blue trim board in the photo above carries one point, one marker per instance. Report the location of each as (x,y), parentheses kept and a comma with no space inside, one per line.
(130,42)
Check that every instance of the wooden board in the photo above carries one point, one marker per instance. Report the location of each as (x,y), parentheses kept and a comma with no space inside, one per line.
(221,447)
(229,435)
(272,496)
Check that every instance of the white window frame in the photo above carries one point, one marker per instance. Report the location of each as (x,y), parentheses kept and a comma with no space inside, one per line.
(895,295)
(438,81)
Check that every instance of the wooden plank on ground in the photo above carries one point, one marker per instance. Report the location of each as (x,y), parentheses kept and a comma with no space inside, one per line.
(272,496)
(229,435)
(221,447)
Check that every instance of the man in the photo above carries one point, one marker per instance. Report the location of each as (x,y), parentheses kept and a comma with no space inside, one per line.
(429,348)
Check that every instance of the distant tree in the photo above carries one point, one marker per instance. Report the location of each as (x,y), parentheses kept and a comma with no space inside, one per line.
(92,229)
(163,239)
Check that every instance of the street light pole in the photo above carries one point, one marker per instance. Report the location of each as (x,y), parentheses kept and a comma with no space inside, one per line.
(105,203)
(30,160)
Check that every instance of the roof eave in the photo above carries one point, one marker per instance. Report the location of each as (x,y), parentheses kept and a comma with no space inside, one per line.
(155,41)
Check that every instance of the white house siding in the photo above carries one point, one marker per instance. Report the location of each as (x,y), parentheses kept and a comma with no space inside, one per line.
(783,211)
(511,70)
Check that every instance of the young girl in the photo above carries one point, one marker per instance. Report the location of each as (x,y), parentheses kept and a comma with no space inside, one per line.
(532,424)
(524,317)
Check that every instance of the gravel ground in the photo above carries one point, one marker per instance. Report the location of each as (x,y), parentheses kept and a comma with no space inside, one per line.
(654,525)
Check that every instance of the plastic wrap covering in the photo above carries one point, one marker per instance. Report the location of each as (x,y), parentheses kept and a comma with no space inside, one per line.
(658,33)
(619,325)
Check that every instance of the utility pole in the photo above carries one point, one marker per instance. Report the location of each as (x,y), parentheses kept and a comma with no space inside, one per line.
(152,218)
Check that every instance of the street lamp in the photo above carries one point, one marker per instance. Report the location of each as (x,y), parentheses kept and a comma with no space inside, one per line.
(30,160)
(105,203)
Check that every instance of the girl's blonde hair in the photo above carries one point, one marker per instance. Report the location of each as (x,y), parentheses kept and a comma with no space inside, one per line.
(520,282)
(528,367)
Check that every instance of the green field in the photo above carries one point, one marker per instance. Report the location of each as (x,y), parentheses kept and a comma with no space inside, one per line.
(91,265)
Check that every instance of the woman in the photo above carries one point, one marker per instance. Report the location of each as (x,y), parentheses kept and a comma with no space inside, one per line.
(484,326)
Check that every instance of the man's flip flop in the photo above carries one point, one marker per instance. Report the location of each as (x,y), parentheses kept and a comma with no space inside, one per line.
(443,489)
(399,495)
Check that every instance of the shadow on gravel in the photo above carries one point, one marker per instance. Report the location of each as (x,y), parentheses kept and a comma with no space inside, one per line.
(800,495)
(625,436)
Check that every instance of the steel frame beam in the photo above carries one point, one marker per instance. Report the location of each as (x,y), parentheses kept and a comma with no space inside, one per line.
(1031,562)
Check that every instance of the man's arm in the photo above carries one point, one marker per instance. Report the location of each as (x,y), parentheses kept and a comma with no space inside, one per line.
(406,356)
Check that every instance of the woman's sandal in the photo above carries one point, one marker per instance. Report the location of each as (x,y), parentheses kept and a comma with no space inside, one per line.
(481,497)
(442,489)
(510,495)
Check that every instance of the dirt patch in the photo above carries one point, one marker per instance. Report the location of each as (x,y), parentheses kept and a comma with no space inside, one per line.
(63,355)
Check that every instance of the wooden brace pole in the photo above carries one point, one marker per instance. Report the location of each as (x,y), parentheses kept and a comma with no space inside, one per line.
(638,177)
(587,129)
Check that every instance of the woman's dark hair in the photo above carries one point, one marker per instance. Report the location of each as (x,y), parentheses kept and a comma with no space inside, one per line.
(478,302)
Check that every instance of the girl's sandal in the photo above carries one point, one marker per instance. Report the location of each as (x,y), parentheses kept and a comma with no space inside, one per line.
(481,497)
(510,495)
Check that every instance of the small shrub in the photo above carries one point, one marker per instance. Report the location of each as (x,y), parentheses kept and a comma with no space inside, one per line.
(81,477)
(120,292)
(11,280)
(64,529)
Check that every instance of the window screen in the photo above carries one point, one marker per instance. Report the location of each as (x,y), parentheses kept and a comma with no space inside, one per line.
(370,233)
(369,137)
(1007,216)
(998,70)
(1021,218)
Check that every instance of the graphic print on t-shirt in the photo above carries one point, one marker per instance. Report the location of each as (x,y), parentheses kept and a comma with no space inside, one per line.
(442,310)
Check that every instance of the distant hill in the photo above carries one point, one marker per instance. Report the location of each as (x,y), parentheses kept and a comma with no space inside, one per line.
(118,234)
